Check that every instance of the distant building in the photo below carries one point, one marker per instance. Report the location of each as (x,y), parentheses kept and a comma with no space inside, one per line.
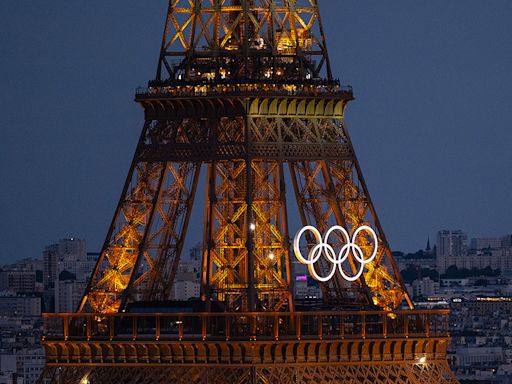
(185,289)
(50,257)
(67,268)
(72,257)
(18,281)
(196,256)
(29,264)
(68,294)
(485,306)
(30,363)
(186,282)
(304,286)
(451,248)
(425,287)
(16,305)
(8,374)
(186,267)
(506,241)
(480,243)
(497,258)
(483,252)
(468,356)
(419,260)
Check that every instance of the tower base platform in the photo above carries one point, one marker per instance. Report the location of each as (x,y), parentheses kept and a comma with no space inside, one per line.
(353,373)
(248,348)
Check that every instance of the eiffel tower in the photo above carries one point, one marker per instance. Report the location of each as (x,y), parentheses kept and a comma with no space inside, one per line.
(244,97)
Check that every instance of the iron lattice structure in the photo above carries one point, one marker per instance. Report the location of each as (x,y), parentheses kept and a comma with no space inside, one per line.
(244,95)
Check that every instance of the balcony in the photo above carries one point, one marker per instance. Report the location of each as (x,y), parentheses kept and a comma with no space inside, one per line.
(245,88)
(255,326)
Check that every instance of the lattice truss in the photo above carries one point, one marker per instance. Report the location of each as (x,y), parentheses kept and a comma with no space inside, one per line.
(232,231)
(288,31)
(244,248)
(235,232)
(140,254)
(383,373)
(349,191)
(333,191)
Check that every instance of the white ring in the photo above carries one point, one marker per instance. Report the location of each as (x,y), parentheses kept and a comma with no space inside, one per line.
(323,248)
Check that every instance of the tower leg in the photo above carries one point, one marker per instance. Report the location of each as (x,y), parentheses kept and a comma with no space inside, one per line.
(230,223)
(145,239)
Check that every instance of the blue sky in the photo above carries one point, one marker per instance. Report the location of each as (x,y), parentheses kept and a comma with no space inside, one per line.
(431,123)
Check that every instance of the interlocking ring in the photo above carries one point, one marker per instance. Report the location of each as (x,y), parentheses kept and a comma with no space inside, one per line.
(324,248)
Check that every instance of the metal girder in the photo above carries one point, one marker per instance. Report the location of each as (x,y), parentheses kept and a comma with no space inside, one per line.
(272,151)
(274,138)
(235,226)
(245,157)
(167,236)
(248,38)
(356,361)
(334,191)
(238,100)
(146,236)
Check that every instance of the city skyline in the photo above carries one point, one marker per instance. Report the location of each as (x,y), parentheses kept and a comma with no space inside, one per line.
(429,120)
(429,242)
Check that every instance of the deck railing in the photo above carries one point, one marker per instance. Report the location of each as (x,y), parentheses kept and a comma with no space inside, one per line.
(245,326)
(256,90)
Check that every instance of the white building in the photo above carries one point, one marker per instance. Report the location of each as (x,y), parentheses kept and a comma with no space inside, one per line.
(493,252)
(425,287)
(451,248)
(68,294)
(186,283)
(466,356)
(185,289)
(70,259)
(30,363)
(69,254)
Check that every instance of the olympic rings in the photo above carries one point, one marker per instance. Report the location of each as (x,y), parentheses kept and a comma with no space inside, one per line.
(323,248)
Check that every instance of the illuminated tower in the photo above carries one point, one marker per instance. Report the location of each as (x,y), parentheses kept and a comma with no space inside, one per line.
(245,98)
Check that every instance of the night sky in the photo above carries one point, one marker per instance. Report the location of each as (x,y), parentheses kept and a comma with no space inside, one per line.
(431,123)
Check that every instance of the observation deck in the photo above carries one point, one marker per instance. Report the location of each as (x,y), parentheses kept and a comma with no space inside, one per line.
(244,87)
(415,336)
